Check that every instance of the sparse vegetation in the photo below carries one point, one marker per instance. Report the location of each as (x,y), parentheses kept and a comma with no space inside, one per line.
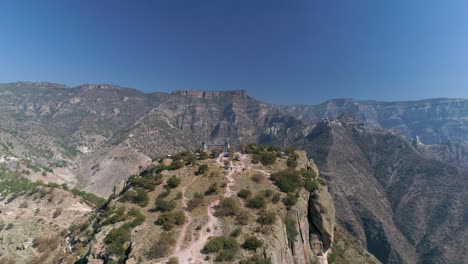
(195,202)
(136,196)
(257,202)
(173,182)
(162,247)
(266,218)
(169,220)
(162,205)
(228,207)
(252,243)
(244,193)
(226,247)
(202,169)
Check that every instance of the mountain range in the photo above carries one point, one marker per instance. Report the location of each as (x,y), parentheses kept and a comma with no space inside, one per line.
(397,171)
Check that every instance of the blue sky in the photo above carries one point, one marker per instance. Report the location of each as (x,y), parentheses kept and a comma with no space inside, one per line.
(302,51)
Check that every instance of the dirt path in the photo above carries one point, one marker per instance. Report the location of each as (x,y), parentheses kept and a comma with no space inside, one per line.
(183,231)
(192,253)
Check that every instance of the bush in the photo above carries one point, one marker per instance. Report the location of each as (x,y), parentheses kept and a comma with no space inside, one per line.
(196,201)
(287,181)
(202,169)
(136,196)
(236,232)
(139,218)
(276,198)
(57,212)
(173,182)
(244,193)
(9,226)
(228,207)
(169,220)
(243,217)
(266,218)
(162,247)
(148,183)
(311,185)
(257,202)
(212,189)
(266,158)
(226,247)
(291,163)
(290,200)
(116,239)
(161,205)
(252,243)
(258,177)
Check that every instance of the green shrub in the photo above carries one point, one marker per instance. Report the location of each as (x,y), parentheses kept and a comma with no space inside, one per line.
(196,201)
(228,207)
(139,218)
(202,169)
(212,189)
(257,202)
(136,196)
(226,247)
(290,200)
(266,218)
(252,243)
(258,177)
(162,247)
(266,158)
(169,220)
(161,205)
(244,193)
(116,239)
(9,226)
(276,198)
(236,232)
(243,217)
(173,182)
(287,181)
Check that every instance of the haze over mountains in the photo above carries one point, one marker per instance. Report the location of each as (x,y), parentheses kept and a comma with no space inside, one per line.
(397,171)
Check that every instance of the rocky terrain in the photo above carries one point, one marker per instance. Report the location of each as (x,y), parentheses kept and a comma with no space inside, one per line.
(405,206)
(398,179)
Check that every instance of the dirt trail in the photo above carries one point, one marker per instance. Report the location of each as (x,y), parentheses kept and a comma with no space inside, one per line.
(183,231)
(192,253)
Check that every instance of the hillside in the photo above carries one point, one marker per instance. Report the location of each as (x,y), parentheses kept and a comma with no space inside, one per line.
(395,198)
(197,208)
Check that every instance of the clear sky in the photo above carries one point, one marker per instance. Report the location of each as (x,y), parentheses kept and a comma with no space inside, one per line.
(292,51)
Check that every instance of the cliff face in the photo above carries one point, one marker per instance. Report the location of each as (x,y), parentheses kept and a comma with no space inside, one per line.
(389,194)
